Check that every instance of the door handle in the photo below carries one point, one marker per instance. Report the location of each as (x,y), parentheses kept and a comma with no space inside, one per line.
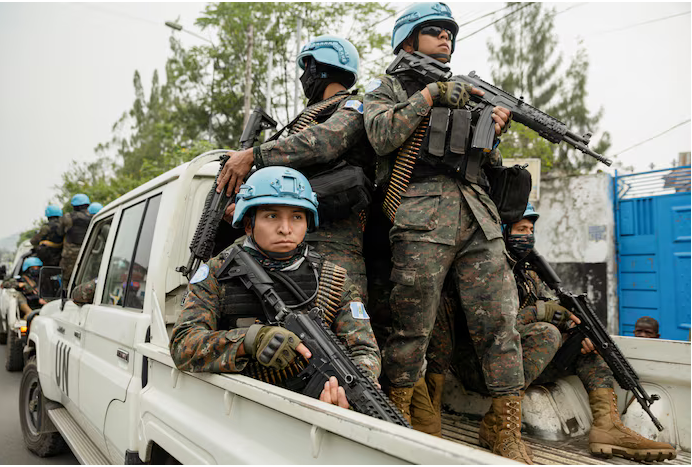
(78,334)
(61,330)
(123,355)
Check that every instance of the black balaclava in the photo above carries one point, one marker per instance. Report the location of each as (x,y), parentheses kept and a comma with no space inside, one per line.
(520,245)
(33,272)
(318,76)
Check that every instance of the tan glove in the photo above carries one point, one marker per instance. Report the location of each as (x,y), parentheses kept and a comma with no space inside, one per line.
(272,346)
(451,94)
(552,312)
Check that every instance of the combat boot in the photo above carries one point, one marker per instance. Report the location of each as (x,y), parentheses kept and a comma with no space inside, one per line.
(487,434)
(507,429)
(436,383)
(610,437)
(401,398)
(422,411)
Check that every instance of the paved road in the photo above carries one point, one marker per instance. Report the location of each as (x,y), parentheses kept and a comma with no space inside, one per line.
(12,449)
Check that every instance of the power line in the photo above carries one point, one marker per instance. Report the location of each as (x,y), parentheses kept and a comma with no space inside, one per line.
(641,24)
(485,15)
(496,21)
(653,137)
(114,12)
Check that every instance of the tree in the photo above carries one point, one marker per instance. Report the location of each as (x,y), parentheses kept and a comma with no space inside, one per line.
(526,63)
(171,125)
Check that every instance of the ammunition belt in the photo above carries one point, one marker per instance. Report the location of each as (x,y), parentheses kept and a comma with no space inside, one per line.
(329,293)
(307,118)
(403,168)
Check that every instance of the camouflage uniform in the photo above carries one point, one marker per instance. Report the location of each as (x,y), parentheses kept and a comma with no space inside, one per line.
(330,138)
(29,293)
(540,342)
(442,224)
(50,255)
(72,228)
(197,343)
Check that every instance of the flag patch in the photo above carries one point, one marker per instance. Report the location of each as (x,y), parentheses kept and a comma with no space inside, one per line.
(201,274)
(358,311)
(355,105)
(372,85)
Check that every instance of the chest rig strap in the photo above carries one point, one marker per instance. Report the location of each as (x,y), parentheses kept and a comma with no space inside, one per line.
(403,169)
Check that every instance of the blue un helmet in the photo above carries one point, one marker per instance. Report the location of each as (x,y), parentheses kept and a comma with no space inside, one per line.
(53,211)
(333,51)
(272,186)
(530,213)
(30,262)
(94,208)
(80,200)
(418,14)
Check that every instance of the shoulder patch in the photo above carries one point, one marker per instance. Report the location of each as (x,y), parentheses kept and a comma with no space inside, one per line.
(358,311)
(355,105)
(372,85)
(200,275)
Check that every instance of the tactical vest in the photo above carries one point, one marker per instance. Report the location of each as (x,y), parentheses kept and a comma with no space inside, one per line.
(53,235)
(446,143)
(80,224)
(50,256)
(319,280)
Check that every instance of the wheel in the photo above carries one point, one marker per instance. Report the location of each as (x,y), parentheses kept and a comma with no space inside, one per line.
(31,410)
(3,332)
(14,360)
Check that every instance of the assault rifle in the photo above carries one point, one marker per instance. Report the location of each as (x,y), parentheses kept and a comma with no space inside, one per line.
(204,240)
(329,356)
(430,70)
(592,328)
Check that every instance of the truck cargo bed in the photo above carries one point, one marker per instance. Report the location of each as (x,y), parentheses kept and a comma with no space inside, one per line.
(573,452)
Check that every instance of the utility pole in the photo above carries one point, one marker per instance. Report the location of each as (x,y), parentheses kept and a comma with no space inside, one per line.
(248,75)
(299,25)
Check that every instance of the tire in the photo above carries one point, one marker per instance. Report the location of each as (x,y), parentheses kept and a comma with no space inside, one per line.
(31,409)
(14,360)
(3,332)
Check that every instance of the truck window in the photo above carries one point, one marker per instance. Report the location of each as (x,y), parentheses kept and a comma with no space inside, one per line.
(91,261)
(127,270)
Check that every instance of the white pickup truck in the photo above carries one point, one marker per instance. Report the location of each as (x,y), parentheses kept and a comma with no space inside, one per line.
(100,376)
(13,329)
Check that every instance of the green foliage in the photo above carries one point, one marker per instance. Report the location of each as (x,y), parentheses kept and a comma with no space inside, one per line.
(526,62)
(171,125)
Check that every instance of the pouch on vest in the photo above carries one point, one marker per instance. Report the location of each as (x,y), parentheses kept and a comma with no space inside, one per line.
(509,189)
(341,190)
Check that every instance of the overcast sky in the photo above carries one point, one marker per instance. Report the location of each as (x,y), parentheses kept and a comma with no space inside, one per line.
(67,68)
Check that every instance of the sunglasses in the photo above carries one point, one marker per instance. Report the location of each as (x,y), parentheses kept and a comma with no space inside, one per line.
(435,31)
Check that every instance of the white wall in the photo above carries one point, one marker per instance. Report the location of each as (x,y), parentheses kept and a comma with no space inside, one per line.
(577,226)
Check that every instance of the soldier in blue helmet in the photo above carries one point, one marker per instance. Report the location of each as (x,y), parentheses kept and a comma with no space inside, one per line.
(47,242)
(73,228)
(443,222)
(94,208)
(326,142)
(222,325)
(28,299)
(540,322)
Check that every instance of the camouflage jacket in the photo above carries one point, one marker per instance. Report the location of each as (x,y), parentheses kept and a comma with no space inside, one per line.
(531,289)
(390,117)
(48,231)
(73,220)
(197,344)
(319,147)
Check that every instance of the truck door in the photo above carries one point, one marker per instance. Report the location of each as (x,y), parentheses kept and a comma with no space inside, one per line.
(68,338)
(115,323)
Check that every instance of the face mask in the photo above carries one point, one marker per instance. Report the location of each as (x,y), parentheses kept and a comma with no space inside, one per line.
(34,273)
(520,245)
(313,82)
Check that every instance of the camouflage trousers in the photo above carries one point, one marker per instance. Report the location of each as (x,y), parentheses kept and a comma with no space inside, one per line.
(487,293)
(540,342)
(70,252)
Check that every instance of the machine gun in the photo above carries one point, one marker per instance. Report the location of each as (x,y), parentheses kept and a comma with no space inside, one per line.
(592,328)
(329,356)
(203,241)
(430,70)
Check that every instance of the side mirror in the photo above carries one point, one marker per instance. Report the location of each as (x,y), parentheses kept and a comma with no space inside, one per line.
(83,294)
(50,283)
